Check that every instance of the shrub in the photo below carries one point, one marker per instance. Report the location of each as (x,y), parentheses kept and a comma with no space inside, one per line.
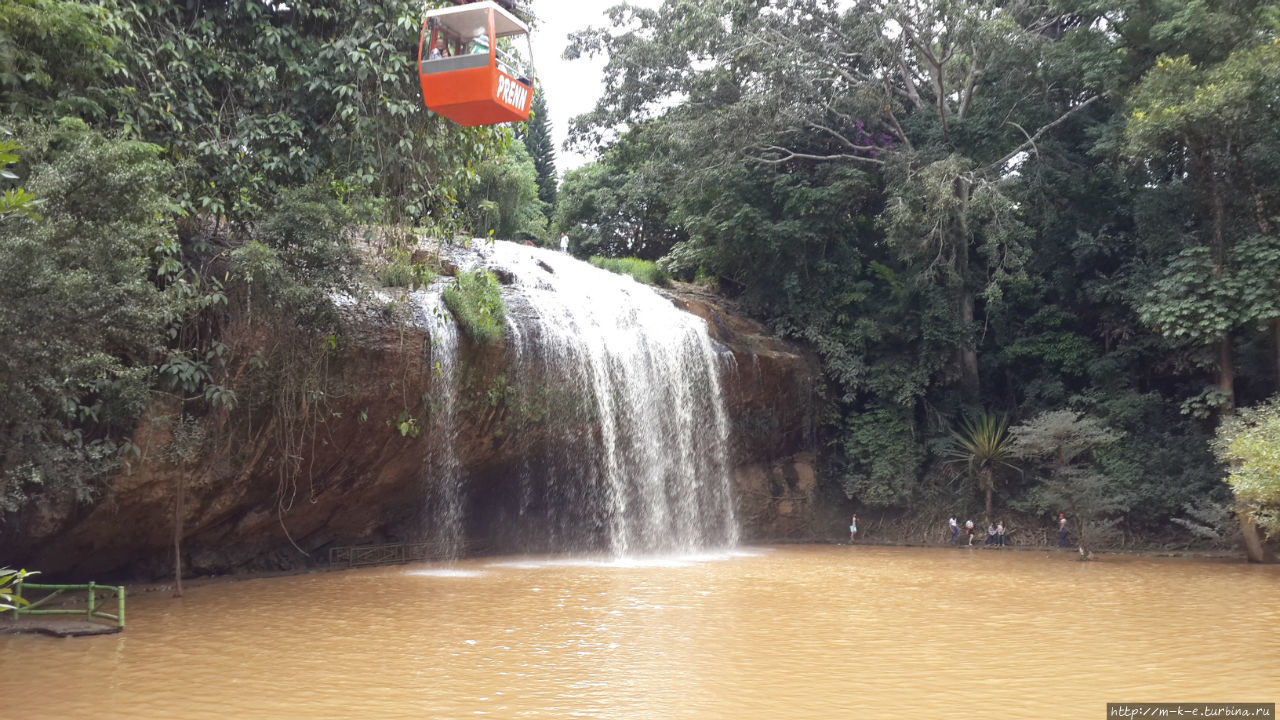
(1249,443)
(82,320)
(297,261)
(475,300)
(642,270)
(401,271)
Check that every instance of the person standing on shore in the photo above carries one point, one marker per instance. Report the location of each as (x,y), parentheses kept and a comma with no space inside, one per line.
(1000,534)
(1062,530)
(955,530)
(564,243)
(853,528)
(968,530)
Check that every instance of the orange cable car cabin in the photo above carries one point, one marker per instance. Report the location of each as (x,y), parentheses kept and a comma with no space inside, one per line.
(471,66)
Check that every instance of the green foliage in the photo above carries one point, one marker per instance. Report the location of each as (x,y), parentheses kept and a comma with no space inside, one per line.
(882,459)
(1187,302)
(475,299)
(250,97)
(1249,444)
(1205,129)
(299,258)
(1060,438)
(961,204)
(82,317)
(399,270)
(9,597)
(56,57)
(15,199)
(649,273)
(983,445)
(536,135)
(620,206)
(1019,207)
(1062,445)
(504,201)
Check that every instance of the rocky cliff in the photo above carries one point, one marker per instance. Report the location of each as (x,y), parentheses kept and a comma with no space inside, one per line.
(273,492)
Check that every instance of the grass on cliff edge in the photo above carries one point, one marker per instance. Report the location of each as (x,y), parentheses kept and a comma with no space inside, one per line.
(397,269)
(642,270)
(475,300)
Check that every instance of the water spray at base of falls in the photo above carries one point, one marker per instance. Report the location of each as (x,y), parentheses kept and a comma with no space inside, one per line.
(623,392)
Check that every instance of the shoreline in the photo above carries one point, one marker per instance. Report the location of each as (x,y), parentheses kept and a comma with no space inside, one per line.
(74,627)
(1133,552)
(1223,555)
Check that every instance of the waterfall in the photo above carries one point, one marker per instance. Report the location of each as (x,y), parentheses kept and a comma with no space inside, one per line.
(444,481)
(623,394)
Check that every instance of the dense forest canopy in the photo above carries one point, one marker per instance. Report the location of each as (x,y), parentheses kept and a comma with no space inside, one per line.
(180,178)
(968,207)
(1036,246)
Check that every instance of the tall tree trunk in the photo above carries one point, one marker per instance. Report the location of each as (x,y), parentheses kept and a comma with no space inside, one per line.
(1226,373)
(179,512)
(1275,335)
(1226,376)
(988,490)
(1254,550)
(969,352)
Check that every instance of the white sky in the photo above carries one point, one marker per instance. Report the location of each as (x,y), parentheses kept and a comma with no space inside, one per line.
(571,87)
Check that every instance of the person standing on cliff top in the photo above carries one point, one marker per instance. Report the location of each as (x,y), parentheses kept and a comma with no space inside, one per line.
(853,528)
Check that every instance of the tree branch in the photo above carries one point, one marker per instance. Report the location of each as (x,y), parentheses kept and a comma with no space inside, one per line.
(966,96)
(786,155)
(846,141)
(897,127)
(1031,140)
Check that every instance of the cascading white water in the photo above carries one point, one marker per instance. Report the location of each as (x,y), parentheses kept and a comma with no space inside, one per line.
(634,435)
(444,484)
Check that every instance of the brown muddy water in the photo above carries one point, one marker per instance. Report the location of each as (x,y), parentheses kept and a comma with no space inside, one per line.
(783,632)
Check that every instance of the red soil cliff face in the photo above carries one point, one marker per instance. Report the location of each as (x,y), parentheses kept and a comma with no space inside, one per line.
(265,497)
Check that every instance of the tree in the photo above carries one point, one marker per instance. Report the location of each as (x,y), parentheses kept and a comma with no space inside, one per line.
(504,199)
(1250,446)
(55,57)
(536,135)
(1212,129)
(983,444)
(1063,443)
(82,320)
(917,93)
(616,207)
(250,97)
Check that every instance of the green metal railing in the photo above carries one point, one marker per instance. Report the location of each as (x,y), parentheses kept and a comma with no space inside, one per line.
(94,610)
(354,556)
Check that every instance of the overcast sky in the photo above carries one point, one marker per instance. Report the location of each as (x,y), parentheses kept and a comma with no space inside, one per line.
(571,86)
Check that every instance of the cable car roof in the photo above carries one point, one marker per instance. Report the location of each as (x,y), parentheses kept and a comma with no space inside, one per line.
(472,19)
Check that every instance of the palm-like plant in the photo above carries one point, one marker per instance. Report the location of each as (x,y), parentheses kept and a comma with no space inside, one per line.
(982,443)
(9,597)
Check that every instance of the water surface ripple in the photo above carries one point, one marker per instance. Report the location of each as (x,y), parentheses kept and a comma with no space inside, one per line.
(794,632)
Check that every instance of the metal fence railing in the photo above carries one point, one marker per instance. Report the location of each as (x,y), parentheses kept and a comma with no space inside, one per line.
(101,598)
(354,556)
